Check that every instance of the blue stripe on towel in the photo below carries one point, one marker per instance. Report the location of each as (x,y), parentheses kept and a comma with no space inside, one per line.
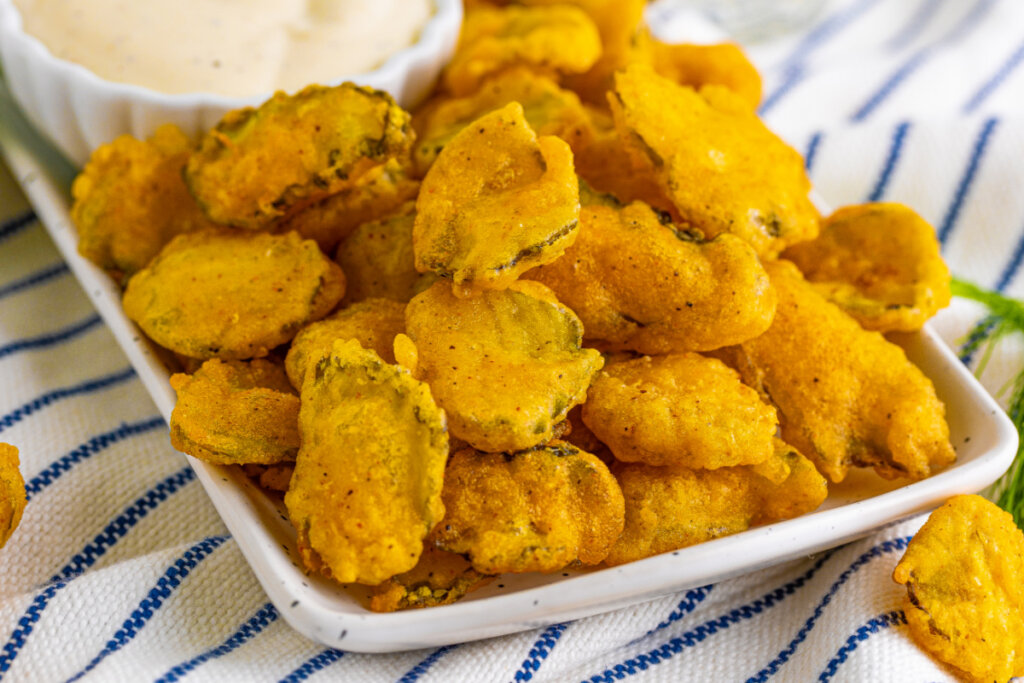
(689,603)
(812,151)
(87,387)
(996,80)
(894,618)
(978,334)
(249,630)
(154,600)
(86,450)
(37,278)
(543,646)
(103,541)
(884,548)
(967,179)
(917,22)
(414,673)
(13,226)
(51,338)
(895,148)
(1012,266)
(317,662)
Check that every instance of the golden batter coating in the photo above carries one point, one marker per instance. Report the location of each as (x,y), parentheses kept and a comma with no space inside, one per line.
(130,200)
(373,323)
(624,41)
(378,259)
(964,573)
(718,64)
(881,263)
(846,397)
(367,483)
(640,283)
(12,492)
(440,578)
(673,507)
(681,409)
(551,39)
(497,202)
(537,510)
(506,365)
(723,169)
(259,165)
(222,293)
(235,413)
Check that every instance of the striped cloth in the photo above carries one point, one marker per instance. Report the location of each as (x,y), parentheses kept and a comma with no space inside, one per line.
(122,570)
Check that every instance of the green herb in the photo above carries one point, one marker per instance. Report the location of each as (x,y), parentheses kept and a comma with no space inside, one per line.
(1006,316)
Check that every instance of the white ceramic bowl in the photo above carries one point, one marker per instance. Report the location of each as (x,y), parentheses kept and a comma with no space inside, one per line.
(78,111)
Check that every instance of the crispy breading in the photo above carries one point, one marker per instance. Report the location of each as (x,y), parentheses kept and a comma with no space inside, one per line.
(228,294)
(674,507)
(373,323)
(625,40)
(506,365)
(718,163)
(964,573)
(639,282)
(881,263)
(536,510)
(271,477)
(260,165)
(440,578)
(12,492)
(553,39)
(130,200)
(681,409)
(718,64)
(367,483)
(846,397)
(236,412)
(378,259)
(497,202)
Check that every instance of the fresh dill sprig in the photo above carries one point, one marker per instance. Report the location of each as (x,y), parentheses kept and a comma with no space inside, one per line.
(1006,316)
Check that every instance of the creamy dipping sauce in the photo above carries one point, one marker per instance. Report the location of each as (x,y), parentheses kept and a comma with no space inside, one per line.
(237,48)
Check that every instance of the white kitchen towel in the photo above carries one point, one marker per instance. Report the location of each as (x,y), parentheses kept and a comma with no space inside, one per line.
(121,569)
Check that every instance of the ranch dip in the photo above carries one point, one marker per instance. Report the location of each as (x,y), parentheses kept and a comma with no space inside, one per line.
(236,48)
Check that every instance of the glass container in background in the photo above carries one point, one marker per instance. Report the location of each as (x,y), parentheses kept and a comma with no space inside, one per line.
(751,21)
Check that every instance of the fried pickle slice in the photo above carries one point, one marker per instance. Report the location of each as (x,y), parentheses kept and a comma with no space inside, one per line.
(674,507)
(373,323)
(367,483)
(553,39)
(506,365)
(12,492)
(699,65)
(259,165)
(220,293)
(846,397)
(533,511)
(640,283)
(234,413)
(440,578)
(271,477)
(130,200)
(881,263)
(625,40)
(681,409)
(548,109)
(965,596)
(723,169)
(498,201)
(378,260)
(378,193)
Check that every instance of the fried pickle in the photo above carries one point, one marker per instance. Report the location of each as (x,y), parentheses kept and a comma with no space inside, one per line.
(497,202)
(723,169)
(271,477)
(537,510)
(640,283)
(719,64)
(682,409)
(881,263)
(367,483)
(234,413)
(624,41)
(553,39)
(12,492)
(440,578)
(548,109)
(673,507)
(130,200)
(372,322)
(379,192)
(846,397)
(258,165)
(378,260)
(506,365)
(965,598)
